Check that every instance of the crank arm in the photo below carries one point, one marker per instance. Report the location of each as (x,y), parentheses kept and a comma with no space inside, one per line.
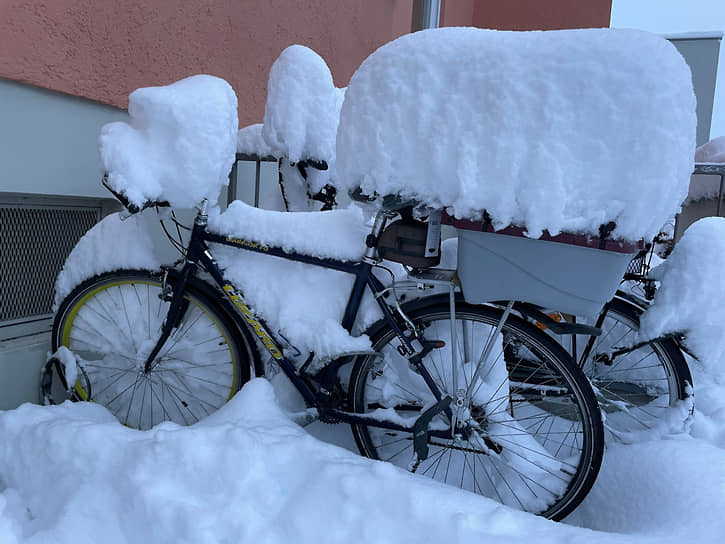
(420,427)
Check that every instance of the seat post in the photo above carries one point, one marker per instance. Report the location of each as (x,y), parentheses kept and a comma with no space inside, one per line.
(381,218)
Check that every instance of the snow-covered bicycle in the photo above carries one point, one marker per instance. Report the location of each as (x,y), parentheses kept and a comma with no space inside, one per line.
(469,395)
(463,386)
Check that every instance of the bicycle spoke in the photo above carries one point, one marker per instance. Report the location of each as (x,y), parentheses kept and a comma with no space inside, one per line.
(521,397)
(120,315)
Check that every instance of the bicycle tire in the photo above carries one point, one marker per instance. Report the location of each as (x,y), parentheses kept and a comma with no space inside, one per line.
(111,322)
(545,414)
(636,389)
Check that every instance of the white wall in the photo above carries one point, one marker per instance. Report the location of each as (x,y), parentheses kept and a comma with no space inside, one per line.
(49,141)
(48,146)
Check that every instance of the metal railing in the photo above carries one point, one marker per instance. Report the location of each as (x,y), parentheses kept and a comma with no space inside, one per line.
(232,191)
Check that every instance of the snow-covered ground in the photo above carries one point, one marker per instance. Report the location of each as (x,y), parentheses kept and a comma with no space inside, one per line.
(248,474)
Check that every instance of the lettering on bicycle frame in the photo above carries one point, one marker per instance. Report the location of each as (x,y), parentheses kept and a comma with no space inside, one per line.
(247,243)
(249,317)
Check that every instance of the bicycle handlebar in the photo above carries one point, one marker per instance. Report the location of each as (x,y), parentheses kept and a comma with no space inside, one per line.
(317,165)
(133,208)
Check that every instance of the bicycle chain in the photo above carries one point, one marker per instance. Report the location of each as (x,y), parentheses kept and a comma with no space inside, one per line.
(449,446)
(459,448)
(329,420)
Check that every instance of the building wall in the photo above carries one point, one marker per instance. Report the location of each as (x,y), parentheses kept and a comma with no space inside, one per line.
(541,15)
(104,49)
(49,141)
(526,14)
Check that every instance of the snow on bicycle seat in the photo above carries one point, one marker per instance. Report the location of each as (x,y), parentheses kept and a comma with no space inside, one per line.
(560,130)
(178,145)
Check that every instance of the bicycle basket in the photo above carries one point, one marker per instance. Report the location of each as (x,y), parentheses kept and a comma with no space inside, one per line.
(573,273)
(404,242)
(636,266)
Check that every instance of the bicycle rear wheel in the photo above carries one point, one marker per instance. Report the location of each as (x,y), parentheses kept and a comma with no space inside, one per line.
(636,390)
(530,399)
(111,323)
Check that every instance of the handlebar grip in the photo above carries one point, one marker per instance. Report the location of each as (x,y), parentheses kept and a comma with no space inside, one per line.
(131,207)
(317,165)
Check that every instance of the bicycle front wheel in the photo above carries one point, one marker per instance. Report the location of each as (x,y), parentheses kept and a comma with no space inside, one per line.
(112,322)
(538,441)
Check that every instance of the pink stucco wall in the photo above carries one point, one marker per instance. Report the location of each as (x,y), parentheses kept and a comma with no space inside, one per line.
(457,12)
(541,14)
(103,49)
(526,14)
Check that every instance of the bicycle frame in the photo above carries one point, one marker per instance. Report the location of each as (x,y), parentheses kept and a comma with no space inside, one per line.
(198,253)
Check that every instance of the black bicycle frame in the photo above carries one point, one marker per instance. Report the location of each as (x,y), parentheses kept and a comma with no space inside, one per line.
(198,253)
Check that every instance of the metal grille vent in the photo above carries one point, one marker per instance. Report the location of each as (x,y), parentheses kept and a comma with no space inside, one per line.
(34,243)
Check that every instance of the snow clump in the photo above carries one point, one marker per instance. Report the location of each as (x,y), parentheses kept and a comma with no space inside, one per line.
(303,108)
(691,295)
(711,152)
(251,142)
(304,302)
(179,145)
(112,244)
(560,130)
(335,234)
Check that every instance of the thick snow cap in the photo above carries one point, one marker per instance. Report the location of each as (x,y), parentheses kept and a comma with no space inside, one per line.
(179,144)
(303,107)
(560,130)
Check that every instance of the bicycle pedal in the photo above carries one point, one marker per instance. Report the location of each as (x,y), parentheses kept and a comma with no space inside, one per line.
(305,417)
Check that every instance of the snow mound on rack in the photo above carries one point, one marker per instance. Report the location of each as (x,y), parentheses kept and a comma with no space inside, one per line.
(251,142)
(559,130)
(110,245)
(178,146)
(711,152)
(303,107)
(691,297)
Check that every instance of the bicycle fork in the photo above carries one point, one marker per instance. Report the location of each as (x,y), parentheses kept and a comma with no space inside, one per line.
(179,305)
(176,312)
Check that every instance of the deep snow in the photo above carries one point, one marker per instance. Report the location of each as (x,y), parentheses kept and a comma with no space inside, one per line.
(249,474)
